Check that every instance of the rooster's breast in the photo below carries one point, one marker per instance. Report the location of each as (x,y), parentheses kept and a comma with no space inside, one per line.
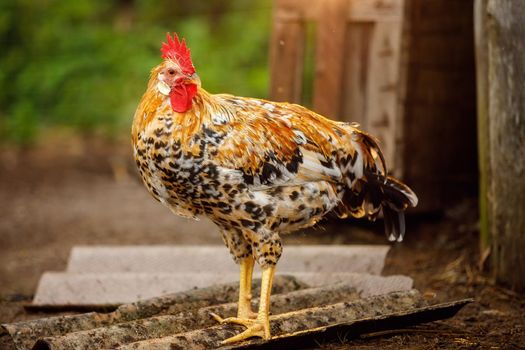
(179,170)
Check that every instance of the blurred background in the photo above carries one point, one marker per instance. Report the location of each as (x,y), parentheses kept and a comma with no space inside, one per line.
(71,78)
(83,65)
(72,73)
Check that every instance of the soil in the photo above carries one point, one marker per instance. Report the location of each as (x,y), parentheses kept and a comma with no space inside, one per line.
(72,191)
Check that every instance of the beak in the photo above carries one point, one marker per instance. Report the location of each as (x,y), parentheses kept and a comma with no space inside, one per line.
(193,79)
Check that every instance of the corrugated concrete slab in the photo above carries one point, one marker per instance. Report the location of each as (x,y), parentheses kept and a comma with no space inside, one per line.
(204,259)
(100,289)
(182,320)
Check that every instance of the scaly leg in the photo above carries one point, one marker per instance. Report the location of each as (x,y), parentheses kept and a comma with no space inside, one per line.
(244,309)
(260,327)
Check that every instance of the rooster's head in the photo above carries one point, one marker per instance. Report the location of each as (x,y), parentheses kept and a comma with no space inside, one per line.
(176,75)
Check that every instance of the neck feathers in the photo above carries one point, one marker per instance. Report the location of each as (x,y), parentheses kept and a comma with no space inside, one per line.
(205,110)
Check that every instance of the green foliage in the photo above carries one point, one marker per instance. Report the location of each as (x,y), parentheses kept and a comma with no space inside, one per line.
(85,63)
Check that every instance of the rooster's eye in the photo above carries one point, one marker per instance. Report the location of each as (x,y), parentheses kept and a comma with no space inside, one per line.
(171,71)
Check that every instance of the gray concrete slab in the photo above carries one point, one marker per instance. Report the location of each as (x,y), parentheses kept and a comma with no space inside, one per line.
(102,275)
(205,259)
(66,288)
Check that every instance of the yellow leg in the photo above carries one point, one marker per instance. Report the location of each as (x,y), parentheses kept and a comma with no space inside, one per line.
(245,289)
(260,327)
(244,307)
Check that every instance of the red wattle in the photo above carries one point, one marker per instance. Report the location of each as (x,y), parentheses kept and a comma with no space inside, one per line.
(181,97)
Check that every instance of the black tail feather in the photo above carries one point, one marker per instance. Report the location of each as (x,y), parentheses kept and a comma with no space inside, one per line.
(394,223)
(396,197)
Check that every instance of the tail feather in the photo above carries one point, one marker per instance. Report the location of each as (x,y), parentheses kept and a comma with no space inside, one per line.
(400,193)
(397,197)
(370,190)
(375,193)
(394,223)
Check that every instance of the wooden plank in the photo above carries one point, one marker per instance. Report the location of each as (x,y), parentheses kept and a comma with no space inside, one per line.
(357,57)
(480,33)
(355,10)
(286,55)
(403,64)
(356,62)
(372,82)
(382,88)
(329,58)
(375,11)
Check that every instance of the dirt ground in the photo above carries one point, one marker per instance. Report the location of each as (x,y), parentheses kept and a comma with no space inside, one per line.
(84,191)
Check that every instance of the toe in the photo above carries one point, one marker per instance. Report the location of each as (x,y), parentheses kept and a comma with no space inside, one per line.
(247,322)
(255,330)
(217,317)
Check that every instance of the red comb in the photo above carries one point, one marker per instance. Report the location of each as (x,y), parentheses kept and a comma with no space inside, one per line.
(177,51)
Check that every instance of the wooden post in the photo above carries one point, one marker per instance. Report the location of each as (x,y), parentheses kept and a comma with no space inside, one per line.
(329,58)
(357,50)
(480,32)
(505,31)
(286,54)
(404,70)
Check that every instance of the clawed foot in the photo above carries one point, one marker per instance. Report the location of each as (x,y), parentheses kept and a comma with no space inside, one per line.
(254,328)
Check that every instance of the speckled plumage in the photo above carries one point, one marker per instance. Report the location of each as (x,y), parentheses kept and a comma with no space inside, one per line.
(258,168)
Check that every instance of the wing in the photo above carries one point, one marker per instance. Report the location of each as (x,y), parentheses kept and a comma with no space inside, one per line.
(276,144)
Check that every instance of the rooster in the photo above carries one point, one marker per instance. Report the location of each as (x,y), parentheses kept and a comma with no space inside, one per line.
(257,169)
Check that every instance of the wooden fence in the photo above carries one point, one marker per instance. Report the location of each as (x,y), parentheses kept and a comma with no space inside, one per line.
(357,60)
(403,69)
